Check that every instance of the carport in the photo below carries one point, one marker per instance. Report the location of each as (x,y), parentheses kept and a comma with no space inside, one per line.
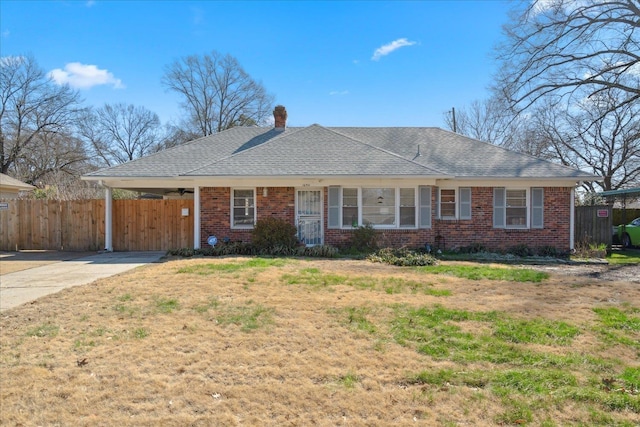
(624,196)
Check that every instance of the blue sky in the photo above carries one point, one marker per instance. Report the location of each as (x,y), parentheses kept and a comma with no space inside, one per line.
(317,58)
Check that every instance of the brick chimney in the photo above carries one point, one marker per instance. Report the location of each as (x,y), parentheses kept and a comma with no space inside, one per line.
(280,117)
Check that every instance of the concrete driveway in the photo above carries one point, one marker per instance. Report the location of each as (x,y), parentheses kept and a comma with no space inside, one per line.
(19,287)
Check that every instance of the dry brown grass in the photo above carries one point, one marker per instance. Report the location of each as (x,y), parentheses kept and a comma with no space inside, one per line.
(153,347)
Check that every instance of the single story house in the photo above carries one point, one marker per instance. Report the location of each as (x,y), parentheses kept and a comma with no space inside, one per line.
(414,185)
(10,188)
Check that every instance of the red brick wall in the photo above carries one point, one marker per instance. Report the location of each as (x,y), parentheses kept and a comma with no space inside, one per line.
(215,211)
(479,229)
(280,203)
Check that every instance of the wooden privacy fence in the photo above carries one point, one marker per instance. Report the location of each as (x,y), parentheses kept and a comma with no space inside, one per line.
(78,225)
(593,225)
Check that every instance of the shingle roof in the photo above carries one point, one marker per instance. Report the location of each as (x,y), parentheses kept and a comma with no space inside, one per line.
(8,182)
(324,151)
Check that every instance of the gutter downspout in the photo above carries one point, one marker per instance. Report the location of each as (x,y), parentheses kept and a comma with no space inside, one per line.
(196,217)
(572,220)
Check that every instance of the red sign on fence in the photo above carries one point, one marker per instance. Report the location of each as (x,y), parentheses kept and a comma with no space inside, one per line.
(603,213)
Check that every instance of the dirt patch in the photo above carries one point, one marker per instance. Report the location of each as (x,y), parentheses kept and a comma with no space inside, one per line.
(218,342)
(599,271)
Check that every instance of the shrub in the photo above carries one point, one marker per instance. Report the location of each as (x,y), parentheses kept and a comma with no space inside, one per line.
(402,257)
(240,248)
(270,233)
(547,251)
(320,251)
(521,250)
(473,248)
(364,238)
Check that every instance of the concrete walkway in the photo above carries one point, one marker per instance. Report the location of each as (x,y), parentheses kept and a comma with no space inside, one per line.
(28,285)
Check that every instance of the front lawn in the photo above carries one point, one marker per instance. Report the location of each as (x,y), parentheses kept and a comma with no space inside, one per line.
(277,341)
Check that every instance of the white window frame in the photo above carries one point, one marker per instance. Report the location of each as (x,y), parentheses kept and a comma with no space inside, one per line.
(457,194)
(339,208)
(528,209)
(455,203)
(358,207)
(232,207)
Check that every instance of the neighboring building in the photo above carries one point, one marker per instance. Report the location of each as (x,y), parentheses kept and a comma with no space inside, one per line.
(10,188)
(416,186)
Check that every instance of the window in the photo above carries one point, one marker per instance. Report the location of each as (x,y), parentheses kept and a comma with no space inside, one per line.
(380,207)
(243,211)
(447,203)
(349,207)
(407,208)
(451,207)
(518,208)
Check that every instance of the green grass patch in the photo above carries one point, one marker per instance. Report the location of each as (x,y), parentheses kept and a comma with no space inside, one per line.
(247,317)
(517,412)
(211,304)
(627,318)
(350,380)
(473,272)
(632,378)
(166,305)
(628,256)
(140,333)
(44,330)
(619,325)
(532,381)
(356,317)
(443,334)
(538,331)
(316,279)
(232,267)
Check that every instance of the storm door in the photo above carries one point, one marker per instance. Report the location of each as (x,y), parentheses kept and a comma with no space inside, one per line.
(309,216)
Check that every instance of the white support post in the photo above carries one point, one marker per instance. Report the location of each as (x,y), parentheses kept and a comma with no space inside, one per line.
(108,215)
(196,217)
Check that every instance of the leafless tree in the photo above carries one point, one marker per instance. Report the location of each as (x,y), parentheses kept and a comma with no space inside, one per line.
(567,50)
(487,120)
(120,133)
(217,93)
(33,109)
(595,137)
(50,154)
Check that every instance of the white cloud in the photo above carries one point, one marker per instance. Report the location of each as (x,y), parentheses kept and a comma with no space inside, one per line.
(339,92)
(5,34)
(390,47)
(82,76)
(90,3)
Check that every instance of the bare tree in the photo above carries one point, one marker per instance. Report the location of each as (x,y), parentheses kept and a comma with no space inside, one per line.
(566,50)
(596,137)
(120,133)
(492,121)
(32,109)
(217,93)
(50,154)
(485,120)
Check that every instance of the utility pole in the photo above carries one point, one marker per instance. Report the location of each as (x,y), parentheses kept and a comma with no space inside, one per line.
(453,116)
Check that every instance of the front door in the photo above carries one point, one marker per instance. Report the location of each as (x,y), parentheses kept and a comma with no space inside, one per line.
(309,216)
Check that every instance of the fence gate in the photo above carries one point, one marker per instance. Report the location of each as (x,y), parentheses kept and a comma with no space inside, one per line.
(78,225)
(593,225)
